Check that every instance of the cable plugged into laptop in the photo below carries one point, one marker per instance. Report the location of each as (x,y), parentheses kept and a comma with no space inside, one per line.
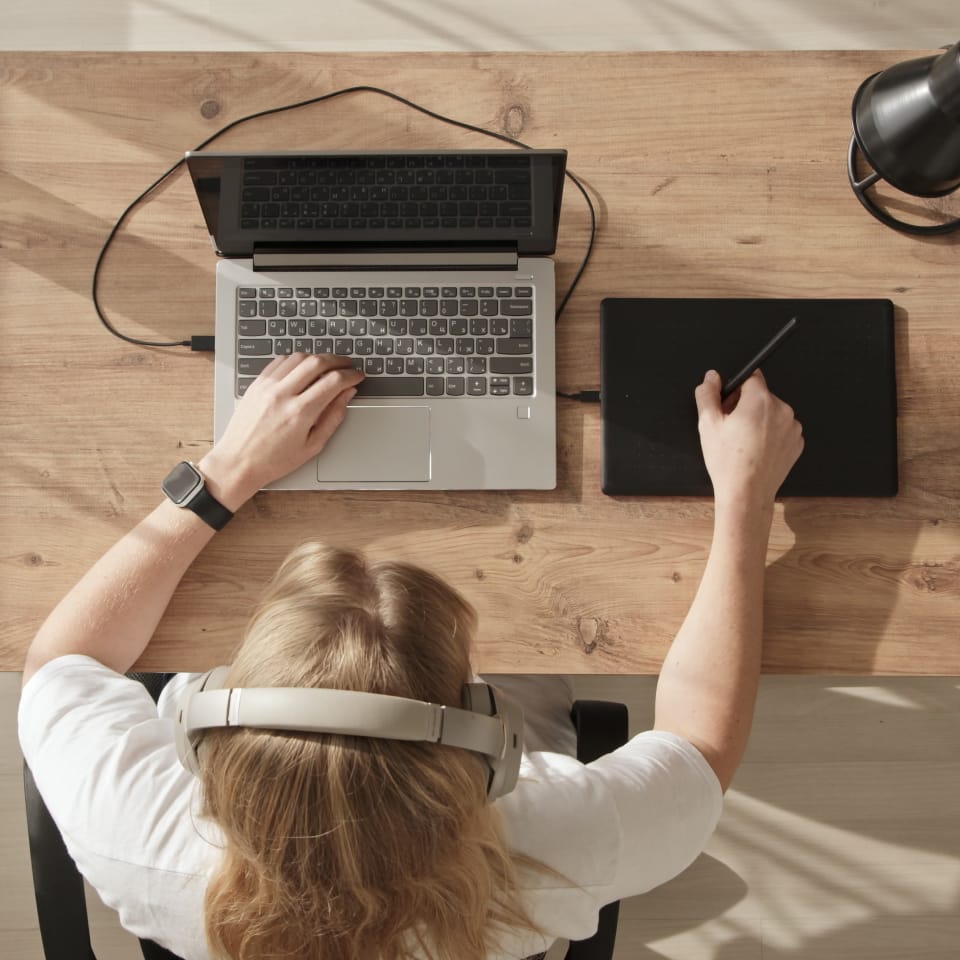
(202,343)
(584,396)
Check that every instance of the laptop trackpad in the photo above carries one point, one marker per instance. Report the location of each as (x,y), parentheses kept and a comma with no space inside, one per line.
(385,444)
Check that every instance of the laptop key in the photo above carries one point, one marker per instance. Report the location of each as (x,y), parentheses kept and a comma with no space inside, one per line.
(252,328)
(512,347)
(254,348)
(523,386)
(391,387)
(251,366)
(516,308)
(455,386)
(434,386)
(511,365)
(521,327)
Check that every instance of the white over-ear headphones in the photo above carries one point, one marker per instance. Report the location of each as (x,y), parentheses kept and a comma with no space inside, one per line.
(490,728)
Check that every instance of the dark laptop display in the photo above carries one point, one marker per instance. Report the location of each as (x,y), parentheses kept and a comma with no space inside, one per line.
(503,198)
(837,371)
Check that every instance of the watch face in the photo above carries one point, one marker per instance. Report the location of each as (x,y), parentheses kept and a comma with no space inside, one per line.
(181,482)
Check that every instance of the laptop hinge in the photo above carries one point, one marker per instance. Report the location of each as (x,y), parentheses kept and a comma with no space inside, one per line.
(386,258)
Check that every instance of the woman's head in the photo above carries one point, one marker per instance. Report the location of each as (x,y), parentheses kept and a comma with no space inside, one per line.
(340,846)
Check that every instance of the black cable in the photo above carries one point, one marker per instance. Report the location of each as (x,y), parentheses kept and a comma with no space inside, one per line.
(584,396)
(202,342)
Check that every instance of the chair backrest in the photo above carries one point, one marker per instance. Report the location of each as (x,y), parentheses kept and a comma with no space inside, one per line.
(601,726)
(62,911)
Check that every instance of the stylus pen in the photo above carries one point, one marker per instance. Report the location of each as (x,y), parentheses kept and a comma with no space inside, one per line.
(763,355)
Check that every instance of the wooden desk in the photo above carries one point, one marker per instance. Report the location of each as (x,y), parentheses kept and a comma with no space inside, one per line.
(717,175)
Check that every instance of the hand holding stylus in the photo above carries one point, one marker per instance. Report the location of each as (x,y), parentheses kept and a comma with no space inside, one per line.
(750,450)
(765,352)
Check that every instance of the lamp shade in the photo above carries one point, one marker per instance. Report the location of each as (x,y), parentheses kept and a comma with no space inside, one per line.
(906,122)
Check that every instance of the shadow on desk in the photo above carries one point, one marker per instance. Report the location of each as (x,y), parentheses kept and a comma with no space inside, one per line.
(808,614)
(58,240)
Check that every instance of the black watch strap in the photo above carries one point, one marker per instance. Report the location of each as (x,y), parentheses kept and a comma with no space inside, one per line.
(209,509)
(185,486)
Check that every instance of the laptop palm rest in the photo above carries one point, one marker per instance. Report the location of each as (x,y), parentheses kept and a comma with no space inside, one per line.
(378,444)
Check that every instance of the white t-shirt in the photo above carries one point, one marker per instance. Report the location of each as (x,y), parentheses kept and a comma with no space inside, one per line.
(104,759)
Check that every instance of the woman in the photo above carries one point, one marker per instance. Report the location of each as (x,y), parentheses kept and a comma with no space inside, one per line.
(324,847)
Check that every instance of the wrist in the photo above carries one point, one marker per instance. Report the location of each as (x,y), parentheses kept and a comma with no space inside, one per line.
(229,483)
(751,514)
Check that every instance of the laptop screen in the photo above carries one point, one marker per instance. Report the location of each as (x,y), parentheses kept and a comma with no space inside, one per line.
(314,200)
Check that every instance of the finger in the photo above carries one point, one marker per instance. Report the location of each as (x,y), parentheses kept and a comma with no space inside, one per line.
(325,389)
(329,420)
(310,369)
(755,383)
(707,396)
(277,367)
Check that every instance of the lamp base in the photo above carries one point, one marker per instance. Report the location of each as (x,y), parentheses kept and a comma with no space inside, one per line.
(860,188)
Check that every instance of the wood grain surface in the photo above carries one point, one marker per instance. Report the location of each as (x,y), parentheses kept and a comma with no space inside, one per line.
(714,175)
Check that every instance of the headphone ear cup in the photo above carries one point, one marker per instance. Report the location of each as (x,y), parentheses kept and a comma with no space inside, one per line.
(506,769)
(186,750)
(186,745)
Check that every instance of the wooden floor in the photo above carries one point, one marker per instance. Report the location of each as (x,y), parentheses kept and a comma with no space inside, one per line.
(840,838)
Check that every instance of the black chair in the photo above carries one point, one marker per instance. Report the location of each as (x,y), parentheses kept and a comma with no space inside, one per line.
(62,910)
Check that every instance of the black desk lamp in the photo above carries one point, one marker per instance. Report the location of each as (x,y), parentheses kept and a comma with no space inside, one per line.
(906,123)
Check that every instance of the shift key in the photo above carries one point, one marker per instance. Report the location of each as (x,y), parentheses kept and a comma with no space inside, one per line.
(510,364)
(252,366)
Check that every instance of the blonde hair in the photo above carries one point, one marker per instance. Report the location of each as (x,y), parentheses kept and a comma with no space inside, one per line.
(345,848)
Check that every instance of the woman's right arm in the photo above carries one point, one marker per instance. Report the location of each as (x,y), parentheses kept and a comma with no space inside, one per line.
(708,682)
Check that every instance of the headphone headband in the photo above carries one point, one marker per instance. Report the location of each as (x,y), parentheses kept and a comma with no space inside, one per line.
(481,727)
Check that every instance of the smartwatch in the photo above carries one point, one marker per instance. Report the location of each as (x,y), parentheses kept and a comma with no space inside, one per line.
(185,486)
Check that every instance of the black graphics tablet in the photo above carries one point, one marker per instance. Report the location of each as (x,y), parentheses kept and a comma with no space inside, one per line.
(837,371)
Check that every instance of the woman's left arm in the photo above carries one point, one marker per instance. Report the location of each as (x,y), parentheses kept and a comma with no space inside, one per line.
(285,418)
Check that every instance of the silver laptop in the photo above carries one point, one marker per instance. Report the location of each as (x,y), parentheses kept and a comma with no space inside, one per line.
(431,271)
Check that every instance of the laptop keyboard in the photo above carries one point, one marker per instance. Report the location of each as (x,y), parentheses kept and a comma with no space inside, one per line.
(423,341)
